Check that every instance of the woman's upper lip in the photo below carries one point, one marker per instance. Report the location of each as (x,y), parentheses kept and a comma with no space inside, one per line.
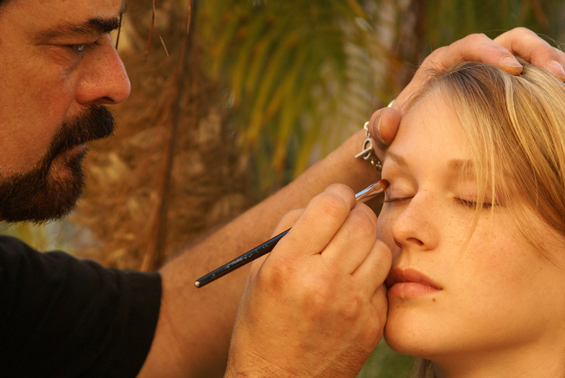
(407,274)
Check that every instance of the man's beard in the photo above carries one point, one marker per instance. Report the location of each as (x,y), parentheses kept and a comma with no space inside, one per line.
(39,195)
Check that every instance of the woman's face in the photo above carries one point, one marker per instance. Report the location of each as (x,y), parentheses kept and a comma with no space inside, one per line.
(446,301)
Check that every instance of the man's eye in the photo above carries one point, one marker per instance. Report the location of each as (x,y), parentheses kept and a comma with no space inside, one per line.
(82,48)
(78,48)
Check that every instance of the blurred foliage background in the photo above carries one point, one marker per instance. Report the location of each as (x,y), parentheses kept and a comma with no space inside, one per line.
(256,92)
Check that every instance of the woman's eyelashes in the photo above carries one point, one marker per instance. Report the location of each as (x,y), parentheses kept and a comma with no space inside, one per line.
(388,199)
(395,195)
(473,204)
(398,192)
(401,191)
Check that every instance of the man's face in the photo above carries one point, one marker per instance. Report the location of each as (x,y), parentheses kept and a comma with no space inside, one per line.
(58,67)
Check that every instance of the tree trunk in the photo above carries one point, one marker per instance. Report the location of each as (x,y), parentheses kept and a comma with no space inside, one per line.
(173,169)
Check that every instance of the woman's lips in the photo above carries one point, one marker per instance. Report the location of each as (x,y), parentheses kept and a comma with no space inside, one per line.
(409,282)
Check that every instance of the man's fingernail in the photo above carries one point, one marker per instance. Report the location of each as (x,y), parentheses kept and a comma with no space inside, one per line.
(556,68)
(510,62)
(379,137)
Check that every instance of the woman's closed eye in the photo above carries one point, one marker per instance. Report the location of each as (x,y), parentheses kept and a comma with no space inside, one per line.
(473,204)
(391,199)
(398,192)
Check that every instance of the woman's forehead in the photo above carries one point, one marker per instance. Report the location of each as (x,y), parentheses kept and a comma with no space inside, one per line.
(431,129)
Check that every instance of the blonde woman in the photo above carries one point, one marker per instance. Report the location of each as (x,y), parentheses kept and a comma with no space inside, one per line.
(475,219)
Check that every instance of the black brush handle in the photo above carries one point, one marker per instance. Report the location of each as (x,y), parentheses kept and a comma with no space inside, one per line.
(254,254)
(364,195)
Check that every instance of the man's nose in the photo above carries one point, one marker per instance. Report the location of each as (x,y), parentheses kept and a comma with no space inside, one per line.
(104,78)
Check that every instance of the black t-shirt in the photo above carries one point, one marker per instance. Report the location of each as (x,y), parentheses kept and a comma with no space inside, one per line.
(63,317)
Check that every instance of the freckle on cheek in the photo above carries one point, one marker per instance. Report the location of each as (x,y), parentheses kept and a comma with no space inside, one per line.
(433,299)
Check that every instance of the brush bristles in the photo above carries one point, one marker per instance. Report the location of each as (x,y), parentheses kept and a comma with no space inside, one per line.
(385,184)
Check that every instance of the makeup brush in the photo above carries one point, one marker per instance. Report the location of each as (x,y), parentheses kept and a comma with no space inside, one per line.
(364,195)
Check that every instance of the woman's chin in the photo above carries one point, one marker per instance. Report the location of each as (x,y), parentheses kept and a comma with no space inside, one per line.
(408,337)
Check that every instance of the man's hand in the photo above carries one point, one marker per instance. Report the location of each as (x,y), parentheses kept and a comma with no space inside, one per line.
(316,306)
(301,312)
(500,52)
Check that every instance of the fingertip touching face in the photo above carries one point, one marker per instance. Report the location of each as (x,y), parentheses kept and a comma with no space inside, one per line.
(59,70)
(450,304)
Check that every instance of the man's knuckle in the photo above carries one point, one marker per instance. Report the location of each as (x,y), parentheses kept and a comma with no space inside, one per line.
(354,307)
(365,225)
(291,217)
(470,40)
(522,30)
(332,205)
(277,274)
(319,297)
(478,37)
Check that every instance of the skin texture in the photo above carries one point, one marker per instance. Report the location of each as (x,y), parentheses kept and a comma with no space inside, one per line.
(47,80)
(499,304)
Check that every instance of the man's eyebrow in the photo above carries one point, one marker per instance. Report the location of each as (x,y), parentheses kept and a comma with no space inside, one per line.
(94,26)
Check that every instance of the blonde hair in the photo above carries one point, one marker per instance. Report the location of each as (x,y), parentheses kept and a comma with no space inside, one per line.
(515,128)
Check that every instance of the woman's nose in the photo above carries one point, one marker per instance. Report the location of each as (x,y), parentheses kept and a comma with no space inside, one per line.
(417,225)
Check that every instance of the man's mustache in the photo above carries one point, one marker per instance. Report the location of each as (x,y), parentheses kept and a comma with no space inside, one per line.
(95,123)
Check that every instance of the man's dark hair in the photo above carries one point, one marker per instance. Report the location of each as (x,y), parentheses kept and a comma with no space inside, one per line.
(2,3)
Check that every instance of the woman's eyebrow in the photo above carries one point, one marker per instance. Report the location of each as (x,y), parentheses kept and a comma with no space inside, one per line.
(462,168)
(399,160)
(458,167)
(461,165)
